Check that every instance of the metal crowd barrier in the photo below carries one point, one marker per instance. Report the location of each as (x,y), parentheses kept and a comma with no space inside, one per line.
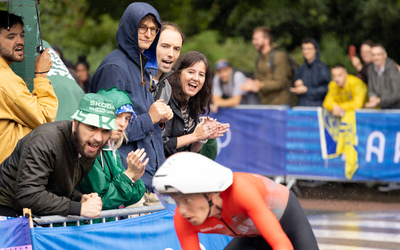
(116,213)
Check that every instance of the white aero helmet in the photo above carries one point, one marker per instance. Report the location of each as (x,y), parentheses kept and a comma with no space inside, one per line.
(189,173)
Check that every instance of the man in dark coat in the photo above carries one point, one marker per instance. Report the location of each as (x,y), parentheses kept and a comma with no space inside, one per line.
(47,164)
(312,78)
(124,68)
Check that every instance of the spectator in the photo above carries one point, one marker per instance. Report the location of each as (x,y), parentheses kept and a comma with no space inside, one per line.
(227,85)
(346,92)
(272,79)
(82,70)
(137,38)
(115,185)
(47,164)
(366,56)
(168,50)
(383,81)
(66,62)
(191,96)
(20,110)
(312,78)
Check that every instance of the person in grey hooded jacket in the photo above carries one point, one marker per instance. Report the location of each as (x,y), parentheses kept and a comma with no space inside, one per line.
(312,78)
(124,68)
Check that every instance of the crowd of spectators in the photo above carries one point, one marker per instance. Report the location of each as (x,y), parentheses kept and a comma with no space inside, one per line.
(105,156)
(278,81)
(146,102)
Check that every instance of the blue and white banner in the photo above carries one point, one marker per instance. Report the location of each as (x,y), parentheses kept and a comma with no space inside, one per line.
(15,234)
(282,141)
(155,231)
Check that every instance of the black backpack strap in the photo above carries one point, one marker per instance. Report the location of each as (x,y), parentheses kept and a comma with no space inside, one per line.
(160,87)
(271,59)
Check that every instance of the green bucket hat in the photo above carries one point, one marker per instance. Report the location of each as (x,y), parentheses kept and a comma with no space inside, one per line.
(96,110)
(119,97)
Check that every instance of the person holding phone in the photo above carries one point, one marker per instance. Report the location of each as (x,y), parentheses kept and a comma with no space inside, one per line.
(366,57)
(21,111)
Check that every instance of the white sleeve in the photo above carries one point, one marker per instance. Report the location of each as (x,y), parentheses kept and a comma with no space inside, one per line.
(239,79)
(217,91)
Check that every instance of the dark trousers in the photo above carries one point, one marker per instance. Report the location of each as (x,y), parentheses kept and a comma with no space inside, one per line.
(9,212)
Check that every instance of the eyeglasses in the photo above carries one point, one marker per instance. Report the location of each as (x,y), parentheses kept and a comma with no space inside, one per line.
(153,30)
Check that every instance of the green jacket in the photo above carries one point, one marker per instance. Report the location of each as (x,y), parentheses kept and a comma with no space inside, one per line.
(210,149)
(276,84)
(115,188)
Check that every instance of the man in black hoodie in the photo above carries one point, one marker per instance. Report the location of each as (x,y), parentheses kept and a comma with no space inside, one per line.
(312,78)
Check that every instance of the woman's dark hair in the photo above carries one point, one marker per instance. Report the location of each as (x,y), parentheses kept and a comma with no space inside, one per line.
(368,42)
(82,60)
(202,100)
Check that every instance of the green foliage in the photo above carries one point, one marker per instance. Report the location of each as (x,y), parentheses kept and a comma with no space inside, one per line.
(332,53)
(239,53)
(66,25)
(223,29)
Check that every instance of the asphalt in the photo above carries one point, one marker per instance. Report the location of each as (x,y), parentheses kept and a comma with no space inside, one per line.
(346,197)
(352,216)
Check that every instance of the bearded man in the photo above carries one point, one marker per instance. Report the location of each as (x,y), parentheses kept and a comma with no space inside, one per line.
(47,164)
(20,110)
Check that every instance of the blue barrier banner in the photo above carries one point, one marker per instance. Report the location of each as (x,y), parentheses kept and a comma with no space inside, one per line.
(154,231)
(255,142)
(287,142)
(15,234)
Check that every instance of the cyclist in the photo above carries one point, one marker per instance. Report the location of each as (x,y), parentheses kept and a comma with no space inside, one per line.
(210,198)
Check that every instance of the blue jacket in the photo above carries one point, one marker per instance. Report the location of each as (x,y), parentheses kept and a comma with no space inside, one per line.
(124,68)
(316,77)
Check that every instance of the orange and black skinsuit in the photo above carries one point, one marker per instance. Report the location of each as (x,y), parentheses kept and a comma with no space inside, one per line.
(259,213)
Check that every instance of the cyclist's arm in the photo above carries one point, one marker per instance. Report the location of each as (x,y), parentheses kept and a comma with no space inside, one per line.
(252,203)
(188,238)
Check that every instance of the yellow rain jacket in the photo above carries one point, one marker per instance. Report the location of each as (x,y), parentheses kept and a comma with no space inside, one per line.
(20,110)
(351,97)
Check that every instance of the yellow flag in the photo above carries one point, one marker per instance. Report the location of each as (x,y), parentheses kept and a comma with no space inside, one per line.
(347,142)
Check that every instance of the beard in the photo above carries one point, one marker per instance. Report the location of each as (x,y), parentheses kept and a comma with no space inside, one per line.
(9,55)
(79,144)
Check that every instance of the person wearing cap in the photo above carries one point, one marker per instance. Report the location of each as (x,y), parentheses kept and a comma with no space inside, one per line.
(48,163)
(115,185)
(20,110)
(258,212)
(227,84)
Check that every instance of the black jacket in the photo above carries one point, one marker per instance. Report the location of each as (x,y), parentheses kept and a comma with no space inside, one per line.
(42,172)
(175,128)
(163,89)
(316,77)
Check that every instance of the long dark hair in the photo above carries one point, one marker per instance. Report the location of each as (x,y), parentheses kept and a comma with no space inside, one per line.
(202,100)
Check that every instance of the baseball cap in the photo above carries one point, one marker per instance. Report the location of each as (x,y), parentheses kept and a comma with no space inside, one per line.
(222,63)
(96,110)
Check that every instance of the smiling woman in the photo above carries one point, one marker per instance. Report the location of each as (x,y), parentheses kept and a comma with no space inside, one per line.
(191,86)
